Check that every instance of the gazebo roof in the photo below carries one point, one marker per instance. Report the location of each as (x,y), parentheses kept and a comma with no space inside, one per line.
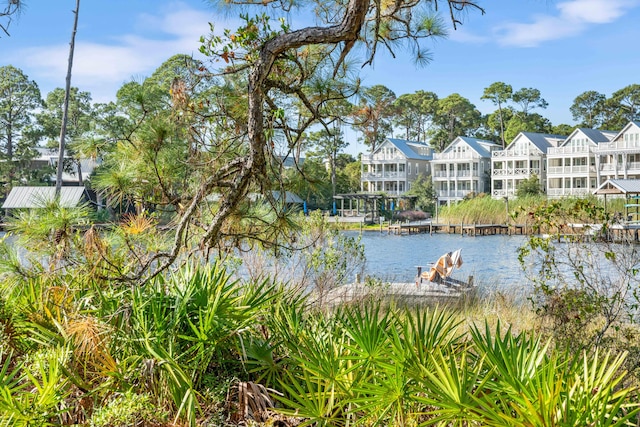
(619,187)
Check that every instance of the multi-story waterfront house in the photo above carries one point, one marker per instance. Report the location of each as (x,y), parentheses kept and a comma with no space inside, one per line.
(571,167)
(394,165)
(523,158)
(463,167)
(620,157)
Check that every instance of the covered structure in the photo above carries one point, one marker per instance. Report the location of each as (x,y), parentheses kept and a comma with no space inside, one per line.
(366,203)
(627,188)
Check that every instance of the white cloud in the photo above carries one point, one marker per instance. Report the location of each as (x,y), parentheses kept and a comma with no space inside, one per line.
(101,68)
(573,17)
(462,36)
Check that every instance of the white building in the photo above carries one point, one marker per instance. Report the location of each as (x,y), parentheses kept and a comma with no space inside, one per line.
(620,158)
(48,157)
(394,165)
(463,167)
(571,167)
(522,159)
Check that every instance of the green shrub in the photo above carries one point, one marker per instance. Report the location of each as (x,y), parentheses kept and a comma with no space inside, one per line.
(128,409)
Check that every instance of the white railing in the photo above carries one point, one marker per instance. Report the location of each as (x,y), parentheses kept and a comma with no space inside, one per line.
(455,156)
(371,158)
(384,175)
(502,193)
(568,170)
(451,194)
(569,150)
(516,153)
(516,172)
(554,192)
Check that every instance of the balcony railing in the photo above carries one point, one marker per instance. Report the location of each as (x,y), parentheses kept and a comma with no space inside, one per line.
(503,193)
(383,175)
(373,158)
(515,153)
(452,194)
(516,172)
(555,192)
(618,146)
(569,150)
(568,170)
(455,156)
(458,174)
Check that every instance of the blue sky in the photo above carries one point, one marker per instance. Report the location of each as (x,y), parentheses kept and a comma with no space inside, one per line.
(561,47)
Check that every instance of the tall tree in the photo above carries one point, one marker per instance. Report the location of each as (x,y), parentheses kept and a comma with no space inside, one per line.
(533,122)
(19,100)
(328,144)
(79,121)
(414,114)
(588,108)
(79,115)
(456,116)
(627,101)
(281,70)
(499,93)
(65,108)
(374,113)
(528,99)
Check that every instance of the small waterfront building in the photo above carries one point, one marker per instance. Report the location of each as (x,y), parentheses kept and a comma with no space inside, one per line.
(394,165)
(620,157)
(463,167)
(571,167)
(523,158)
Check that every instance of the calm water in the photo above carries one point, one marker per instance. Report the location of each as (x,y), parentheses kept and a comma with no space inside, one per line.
(492,260)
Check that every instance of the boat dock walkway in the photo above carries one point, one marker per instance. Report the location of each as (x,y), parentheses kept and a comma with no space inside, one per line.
(425,291)
(469,229)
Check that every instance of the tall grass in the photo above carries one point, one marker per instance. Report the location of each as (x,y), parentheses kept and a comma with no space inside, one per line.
(486,210)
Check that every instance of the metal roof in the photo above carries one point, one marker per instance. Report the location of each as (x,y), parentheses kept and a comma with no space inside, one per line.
(480,146)
(36,197)
(597,135)
(619,186)
(289,197)
(543,141)
(406,147)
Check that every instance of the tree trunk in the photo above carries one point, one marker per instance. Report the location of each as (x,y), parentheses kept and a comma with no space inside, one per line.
(65,110)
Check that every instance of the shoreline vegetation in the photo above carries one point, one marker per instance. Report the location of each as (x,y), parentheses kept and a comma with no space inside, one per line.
(485,210)
(203,345)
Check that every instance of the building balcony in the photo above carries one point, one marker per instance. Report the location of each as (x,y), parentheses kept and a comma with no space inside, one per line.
(618,147)
(564,151)
(497,194)
(516,172)
(452,194)
(505,154)
(454,174)
(383,176)
(558,192)
(456,156)
(570,170)
(381,158)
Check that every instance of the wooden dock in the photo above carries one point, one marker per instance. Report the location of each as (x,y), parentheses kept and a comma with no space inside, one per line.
(397,291)
(468,229)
